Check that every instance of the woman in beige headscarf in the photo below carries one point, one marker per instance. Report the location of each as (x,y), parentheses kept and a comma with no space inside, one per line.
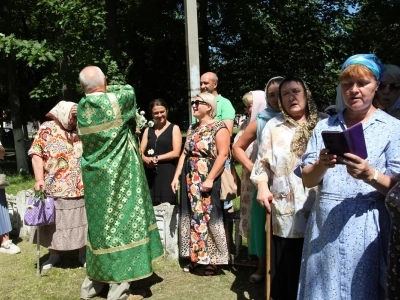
(56,158)
(283,141)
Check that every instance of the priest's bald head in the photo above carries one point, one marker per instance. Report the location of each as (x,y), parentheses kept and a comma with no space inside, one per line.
(93,80)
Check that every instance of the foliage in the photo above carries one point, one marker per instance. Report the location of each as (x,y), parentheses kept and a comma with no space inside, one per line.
(142,43)
(34,53)
(270,38)
(376,28)
(19,182)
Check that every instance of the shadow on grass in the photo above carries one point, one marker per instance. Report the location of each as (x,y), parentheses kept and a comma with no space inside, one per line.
(146,284)
(69,260)
(243,288)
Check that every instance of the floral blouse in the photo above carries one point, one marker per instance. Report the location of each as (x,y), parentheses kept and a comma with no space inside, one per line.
(61,152)
(275,165)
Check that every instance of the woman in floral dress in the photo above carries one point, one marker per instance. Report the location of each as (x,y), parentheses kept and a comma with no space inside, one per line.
(252,215)
(56,155)
(255,102)
(201,164)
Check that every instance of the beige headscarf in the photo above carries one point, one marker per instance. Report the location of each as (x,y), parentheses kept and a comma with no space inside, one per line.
(304,130)
(61,113)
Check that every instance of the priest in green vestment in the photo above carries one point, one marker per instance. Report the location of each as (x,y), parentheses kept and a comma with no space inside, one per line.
(123,238)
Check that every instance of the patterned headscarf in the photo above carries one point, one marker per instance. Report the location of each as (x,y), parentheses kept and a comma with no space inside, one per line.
(368,60)
(304,130)
(61,113)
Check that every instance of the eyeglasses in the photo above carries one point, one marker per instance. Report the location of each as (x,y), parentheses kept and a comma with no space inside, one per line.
(197,102)
(392,86)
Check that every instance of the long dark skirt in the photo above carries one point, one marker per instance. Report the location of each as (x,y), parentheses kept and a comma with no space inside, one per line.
(287,265)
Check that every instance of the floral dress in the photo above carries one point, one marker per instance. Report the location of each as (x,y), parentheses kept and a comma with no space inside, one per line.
(393,274)
(247,187)
(202,228)
(61,152)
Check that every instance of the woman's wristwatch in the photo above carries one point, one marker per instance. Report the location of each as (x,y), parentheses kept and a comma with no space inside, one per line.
(375,178)
(156,158)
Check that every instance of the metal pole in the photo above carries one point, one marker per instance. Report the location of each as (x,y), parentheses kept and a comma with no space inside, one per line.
(38,250)
(192,51)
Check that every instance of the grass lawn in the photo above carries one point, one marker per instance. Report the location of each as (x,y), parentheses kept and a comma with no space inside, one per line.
(18,182)
(18,280)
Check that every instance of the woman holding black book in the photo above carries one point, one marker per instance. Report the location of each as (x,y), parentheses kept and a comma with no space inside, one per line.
(346,240)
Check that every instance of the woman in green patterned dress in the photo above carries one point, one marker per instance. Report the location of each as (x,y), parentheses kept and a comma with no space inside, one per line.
(201,164)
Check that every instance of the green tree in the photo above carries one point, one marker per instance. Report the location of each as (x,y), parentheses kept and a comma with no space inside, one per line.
(376,29)
(251,41)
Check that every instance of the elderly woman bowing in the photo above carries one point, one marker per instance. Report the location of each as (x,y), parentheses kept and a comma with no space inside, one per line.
(56,155)
(283,141)
(346,241)
(201,164)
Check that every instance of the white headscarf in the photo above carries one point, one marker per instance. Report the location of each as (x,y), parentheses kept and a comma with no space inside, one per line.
(61,112)
(259,103)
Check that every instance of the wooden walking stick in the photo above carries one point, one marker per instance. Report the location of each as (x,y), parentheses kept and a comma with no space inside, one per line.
(268,254)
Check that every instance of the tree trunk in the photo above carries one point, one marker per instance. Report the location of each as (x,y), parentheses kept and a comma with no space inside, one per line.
(13,100)
(25,131)
(111,22)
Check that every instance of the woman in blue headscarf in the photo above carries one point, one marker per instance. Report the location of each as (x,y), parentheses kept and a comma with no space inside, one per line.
(346,240)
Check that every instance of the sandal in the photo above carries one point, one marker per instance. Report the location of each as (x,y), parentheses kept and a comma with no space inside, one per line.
(190,267)
(211,270)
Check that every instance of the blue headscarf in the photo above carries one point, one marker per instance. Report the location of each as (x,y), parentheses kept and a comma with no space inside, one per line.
(368,60)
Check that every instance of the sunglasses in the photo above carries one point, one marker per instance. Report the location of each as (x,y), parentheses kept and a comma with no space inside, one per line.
(392,86)
(197,102)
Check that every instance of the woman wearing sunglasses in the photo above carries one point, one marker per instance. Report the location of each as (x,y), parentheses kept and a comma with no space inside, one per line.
(199,167)
(389,97)
(389,91)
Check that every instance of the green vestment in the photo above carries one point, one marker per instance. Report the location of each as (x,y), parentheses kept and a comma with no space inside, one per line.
(123,237)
